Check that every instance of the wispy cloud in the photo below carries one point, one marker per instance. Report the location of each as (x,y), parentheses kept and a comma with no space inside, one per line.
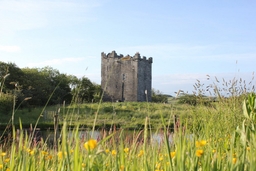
(173,82)
(10,48)
(28,14)
(168,49)
(54,62)
(178,79)
(195,51)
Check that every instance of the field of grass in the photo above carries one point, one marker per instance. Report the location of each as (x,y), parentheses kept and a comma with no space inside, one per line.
(216,137)
(128,115)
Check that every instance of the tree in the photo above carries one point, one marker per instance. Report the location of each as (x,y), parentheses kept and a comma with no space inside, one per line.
(9,73)
(47,84)
(10,89)
(86,90)
(97,93)
(6,103)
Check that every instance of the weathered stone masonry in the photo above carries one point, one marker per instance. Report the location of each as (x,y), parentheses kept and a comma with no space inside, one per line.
(126,78)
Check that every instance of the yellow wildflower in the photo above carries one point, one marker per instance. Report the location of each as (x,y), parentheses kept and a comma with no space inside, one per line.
(83,164)
(140,153)
(121,167)
(248,148)
(158,165)
(60,155)
(31,152)
(161,157)
(8,169)
(234,160)
(1,166)
(49,157)
(199,153)
(173,154)
(107,150)
(3,154)
(113,152)
(90,145)
(6,160)
(200,143)
(126,150)
(44,153)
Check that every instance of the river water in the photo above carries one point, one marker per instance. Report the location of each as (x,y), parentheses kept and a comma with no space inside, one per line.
(127,135)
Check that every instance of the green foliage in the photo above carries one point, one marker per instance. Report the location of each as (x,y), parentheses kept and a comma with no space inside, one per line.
(15,75)
(194,100)
(86,91)
(97,93)
(249,107)
(6,103)
(188,99)
(39,83)
(158,97)
(247,130)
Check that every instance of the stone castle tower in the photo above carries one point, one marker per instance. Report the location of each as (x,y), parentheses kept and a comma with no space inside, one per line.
(126,78)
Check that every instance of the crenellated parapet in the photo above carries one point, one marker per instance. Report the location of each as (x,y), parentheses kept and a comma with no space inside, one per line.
(136,57)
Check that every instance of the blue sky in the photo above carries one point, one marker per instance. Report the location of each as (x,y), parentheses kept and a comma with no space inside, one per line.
(187,39)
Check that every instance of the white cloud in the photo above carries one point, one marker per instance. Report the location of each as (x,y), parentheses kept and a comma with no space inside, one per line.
(10,48)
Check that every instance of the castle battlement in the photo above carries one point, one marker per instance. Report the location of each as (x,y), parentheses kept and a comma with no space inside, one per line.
(137,56)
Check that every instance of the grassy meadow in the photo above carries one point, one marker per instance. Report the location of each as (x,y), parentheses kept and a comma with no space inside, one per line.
(217,136)
(127,115)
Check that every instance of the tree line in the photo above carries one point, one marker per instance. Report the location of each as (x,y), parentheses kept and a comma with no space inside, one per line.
(30,87)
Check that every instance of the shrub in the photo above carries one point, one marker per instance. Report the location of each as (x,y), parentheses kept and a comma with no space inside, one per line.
(158,97)
(188,99)
(6,103)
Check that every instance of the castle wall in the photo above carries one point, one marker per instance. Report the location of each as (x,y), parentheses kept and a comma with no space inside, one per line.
(145,79)
(110,77)
(129,80)
(125,78)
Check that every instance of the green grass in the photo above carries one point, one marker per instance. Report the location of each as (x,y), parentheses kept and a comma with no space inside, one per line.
(129,115)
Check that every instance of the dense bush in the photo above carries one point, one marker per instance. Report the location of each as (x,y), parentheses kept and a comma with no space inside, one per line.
(158,97)
(188,99)
(6,103)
